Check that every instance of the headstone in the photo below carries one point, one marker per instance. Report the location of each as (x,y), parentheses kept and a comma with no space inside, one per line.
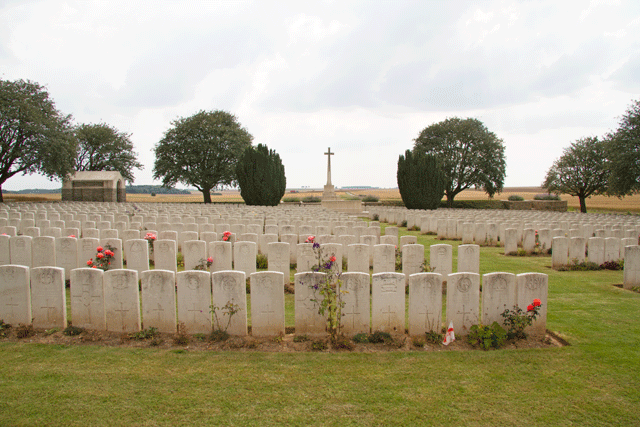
(469,259)
(194,301)
(560,253)
(425,303)
(87,299)
(358,258)
(15,304)
(596,250)
(308,321)
(115,245)
(631,275)
(244,257)
(5,252)
(407,240)
(43,251)
(222,254)
(356,310)
(611,249)
(330,250)
(412,260)
(306,258)
(230,287)
(67,254)
(48,297)
(531,286)
(267,303)
(278,259)
(20,250)
(165,255)
(463,300)
(292,240)
(577,248)
(136,251)
(441,259)
(468,229)
(388,302)
(498,295)
(194,251)
(384,258)
(122,300)
(159,300)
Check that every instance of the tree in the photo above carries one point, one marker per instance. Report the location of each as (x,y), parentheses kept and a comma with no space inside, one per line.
(624,153)
(261,176)
(103,148)
(581,171)
(201,151)
(420,180)
(34,136)
(469,155)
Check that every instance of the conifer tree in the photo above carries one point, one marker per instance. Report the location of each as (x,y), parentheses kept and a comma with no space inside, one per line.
(260,174)
(420,180)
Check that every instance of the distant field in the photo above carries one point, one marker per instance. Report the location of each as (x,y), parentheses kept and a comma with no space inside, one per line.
(596,203)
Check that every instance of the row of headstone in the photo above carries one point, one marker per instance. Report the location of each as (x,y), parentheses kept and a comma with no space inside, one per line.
(111,300)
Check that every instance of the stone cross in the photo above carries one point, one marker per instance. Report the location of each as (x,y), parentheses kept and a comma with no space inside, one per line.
(329,154)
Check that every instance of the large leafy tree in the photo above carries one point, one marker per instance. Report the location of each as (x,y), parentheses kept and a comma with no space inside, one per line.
(261,177)
(581,171)
(420,181)
(104,148)
(34,136)
(624,153)
(201,151)
(469,155)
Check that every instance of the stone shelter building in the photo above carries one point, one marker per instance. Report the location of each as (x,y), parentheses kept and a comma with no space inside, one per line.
(92,186)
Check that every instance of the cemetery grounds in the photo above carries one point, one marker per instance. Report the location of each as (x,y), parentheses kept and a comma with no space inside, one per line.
(595,380)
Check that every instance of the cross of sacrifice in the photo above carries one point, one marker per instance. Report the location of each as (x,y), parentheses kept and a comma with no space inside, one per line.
(329,154)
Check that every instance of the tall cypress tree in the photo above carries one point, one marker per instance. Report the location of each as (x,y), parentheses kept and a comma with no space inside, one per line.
(420,180)
(260,174)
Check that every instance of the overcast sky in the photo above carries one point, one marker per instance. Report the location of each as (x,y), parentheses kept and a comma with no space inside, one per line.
(363,78)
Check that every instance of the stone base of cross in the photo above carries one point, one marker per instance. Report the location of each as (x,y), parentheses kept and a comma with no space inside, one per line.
(329,193)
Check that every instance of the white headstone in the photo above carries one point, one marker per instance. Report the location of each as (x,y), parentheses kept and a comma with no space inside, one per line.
(531,286)
(67,254)
(136,251)
(631,275)
(165,255)
(463,301)
(15,304)
(468,259)
(20,250)
(48,297)
(358,258)
(159,300)
(43,251)
(194,301)
(412,260)
(267,303)
(441,259)
(230,287)
(122,300)
(388,302)
(498,295)
(87,299)
(356,310)
(194,251)
(384,258)
(278,259)
(222,254)
(425,303)
(307,303)
(244,257)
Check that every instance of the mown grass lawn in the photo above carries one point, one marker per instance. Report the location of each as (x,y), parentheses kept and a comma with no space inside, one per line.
(594,381)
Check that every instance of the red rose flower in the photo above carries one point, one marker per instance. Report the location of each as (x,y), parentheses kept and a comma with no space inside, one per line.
(332,259)
(537,302)
(100,255)
(90,262)
(209,259)
(99,249)
(108,253)
(530,307)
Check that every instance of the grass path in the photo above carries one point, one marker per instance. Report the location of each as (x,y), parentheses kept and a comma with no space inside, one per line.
(593,382)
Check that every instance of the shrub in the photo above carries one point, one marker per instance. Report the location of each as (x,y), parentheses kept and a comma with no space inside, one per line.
(434,337)
(260,175)
(291,199)
(613,265)
(71,330)
(261,262)
(516,198)
(487,337)
(370,199)
(311,199)
(361,338)
(4,328)
(379,337)
(318,345)
(546,197)
(300,338)
(421,181)
(25,331)
(516,320)
(144,334)
(580,266)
